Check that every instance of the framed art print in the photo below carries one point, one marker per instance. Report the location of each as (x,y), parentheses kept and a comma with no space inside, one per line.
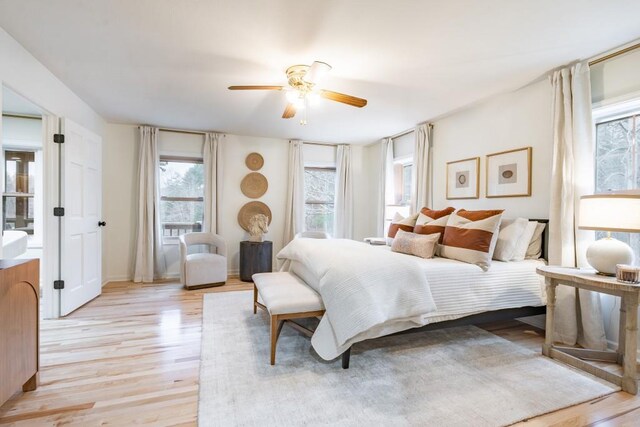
(509,173)
(463,179)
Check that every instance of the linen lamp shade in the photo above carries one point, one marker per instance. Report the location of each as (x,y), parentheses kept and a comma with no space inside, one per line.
(610,212)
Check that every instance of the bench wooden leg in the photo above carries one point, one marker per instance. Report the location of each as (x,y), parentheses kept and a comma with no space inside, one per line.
(255,299)
(276,327)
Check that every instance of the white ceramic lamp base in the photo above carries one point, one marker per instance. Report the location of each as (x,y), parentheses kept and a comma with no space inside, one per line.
(604,254)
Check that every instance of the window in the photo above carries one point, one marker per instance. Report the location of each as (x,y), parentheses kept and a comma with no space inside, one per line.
(618,160)
(319,198)
(19,189)
(181,196)
(402,189)
(407,170)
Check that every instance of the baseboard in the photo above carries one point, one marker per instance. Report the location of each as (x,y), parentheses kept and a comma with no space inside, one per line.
(117,279)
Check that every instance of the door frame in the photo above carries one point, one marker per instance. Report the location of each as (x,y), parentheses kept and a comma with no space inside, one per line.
(49,304)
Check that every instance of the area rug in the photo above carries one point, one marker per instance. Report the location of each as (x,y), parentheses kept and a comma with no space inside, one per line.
(460,376)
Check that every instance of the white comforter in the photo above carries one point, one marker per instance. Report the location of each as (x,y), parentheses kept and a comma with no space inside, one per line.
(367,292)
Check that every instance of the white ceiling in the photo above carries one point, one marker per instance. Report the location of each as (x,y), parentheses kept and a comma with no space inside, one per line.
(169,62)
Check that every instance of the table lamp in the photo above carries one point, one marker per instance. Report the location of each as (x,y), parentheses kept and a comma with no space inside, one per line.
(610,212)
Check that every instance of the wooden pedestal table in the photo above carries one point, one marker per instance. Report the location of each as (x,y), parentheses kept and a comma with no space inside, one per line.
(255,257)
(628,334)
(19,317)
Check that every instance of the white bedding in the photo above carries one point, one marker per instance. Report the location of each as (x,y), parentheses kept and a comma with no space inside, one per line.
(460,289)
(361,291)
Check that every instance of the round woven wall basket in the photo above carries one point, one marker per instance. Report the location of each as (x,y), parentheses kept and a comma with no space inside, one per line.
(251,209)
(254,185)
(254,161)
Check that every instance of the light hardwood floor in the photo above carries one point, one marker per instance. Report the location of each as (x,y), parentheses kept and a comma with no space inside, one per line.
(132,357)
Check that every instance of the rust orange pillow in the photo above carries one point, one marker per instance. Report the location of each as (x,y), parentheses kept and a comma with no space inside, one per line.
(431,221)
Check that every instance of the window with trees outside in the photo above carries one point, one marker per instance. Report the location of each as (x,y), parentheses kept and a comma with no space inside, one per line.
(618,161)
(319,196)
(402,190)
(19,189)
(181,196)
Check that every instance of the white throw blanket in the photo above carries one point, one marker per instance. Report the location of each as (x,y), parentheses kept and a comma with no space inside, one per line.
(367,292)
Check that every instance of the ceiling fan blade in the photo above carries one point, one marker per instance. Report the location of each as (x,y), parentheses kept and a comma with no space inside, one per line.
(255,87)
(289,111)
(317,72)
(345,99)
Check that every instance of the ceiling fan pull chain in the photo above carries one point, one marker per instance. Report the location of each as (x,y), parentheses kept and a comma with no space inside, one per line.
(303,121)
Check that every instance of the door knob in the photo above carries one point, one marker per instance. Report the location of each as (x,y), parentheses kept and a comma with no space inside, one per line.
(102,223)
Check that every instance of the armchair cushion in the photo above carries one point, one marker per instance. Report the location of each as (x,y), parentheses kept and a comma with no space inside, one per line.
(201,269)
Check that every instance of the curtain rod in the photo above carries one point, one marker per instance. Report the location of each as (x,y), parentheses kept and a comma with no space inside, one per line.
(22,116)
(320,143)
(185,131)
(408,131)
(614,54)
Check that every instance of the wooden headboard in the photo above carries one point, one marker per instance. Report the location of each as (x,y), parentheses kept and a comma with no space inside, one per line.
(545,238)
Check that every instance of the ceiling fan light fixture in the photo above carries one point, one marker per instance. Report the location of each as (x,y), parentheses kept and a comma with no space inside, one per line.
(292,95)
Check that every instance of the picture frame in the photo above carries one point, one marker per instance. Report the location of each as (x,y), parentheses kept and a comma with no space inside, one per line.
(508,173)
(463,179)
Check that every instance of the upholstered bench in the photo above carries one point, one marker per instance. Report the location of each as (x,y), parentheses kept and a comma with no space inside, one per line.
(285,296)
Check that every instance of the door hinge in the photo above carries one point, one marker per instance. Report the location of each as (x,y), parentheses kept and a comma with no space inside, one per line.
(58,284)
(58,138)
(58,211)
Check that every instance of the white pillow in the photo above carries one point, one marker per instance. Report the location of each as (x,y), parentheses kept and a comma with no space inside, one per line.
(523,243)
(510,234)
(534,251)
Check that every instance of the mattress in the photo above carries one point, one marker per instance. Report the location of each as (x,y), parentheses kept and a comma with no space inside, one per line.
(460,289)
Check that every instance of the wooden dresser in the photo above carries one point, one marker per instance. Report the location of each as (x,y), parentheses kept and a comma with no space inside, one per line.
(19,318)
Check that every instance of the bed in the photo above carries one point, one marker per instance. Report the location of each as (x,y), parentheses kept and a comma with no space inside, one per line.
(458,293)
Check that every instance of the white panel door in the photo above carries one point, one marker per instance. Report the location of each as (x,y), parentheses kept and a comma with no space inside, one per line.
(82,202)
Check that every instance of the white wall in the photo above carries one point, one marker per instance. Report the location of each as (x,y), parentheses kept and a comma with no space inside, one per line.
(120,192)
(21,72)
(513,120)
(119,200)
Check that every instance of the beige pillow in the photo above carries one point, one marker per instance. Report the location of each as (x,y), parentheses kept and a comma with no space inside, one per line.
(471,240)
(523,243)
(422,245)
(534,251)
(400,223)
(511,231)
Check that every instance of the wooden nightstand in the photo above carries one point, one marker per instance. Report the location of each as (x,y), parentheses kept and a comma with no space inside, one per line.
(628,336)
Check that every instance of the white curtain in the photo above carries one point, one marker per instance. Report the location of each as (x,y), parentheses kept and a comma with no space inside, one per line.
(578,314)
(343,216)
(212,162)
(386,195)
(149,263)
(294,213)
(421,176)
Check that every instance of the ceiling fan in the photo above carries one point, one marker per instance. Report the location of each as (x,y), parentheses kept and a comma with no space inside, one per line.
(302,80)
